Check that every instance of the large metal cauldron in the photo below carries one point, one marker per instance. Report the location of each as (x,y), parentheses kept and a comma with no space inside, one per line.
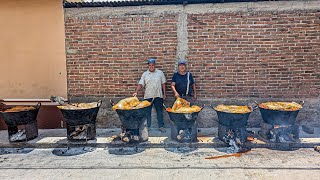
(278,117)
(184,126)
(75,117)
(183,120)
(132,119)
(233,119)
(234,123)
(21,117)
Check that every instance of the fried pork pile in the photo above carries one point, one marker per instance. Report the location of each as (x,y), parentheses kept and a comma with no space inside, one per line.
(131,103)
(281,106)
(183,106)
(233,109)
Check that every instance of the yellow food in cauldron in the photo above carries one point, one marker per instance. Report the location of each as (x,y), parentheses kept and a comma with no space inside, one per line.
(183,106)
(281,106)
(233,109)
(130,103)
(75,106)
(180,103)
(20,108)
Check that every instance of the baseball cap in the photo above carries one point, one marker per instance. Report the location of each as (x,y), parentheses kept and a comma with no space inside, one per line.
(151,61)
(182,61)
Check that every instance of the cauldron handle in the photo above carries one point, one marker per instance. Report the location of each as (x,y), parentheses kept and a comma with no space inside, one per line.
(2,106)
(256,103)
(111,102)
(255,107)
(301,102)
(38,105)
(99,103)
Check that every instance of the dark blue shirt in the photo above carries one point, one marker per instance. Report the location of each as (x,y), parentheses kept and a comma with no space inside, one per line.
(181,83)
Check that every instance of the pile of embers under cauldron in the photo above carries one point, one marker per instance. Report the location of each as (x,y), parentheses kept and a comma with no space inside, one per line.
(134,124)
(279,126)
(81,123)
(22,125)
(232,129)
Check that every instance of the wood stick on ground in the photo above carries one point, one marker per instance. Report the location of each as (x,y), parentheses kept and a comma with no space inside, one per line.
(228,155)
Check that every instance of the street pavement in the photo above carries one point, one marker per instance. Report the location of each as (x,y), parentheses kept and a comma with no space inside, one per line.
(51,156)
(156,163)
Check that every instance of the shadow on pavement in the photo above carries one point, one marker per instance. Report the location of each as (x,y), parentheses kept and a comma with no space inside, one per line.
(72,151)
(125,150)
(15,150)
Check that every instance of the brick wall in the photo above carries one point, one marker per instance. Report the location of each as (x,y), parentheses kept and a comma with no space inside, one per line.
(107,56)
(237,52)
(259,54)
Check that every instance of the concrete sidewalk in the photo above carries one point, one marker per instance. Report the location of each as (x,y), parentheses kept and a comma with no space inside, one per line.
(207,138)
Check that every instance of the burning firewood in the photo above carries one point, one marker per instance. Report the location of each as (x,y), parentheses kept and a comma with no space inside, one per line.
(114,136)
(20,135)
(136,138)
(125,139)
(78,130)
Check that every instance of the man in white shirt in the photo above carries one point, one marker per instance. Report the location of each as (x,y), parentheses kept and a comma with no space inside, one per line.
(154,83)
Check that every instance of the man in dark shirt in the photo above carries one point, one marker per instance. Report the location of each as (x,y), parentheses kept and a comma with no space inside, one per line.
(183,84)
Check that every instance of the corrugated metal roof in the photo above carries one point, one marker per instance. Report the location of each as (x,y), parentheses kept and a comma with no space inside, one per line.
(116,3)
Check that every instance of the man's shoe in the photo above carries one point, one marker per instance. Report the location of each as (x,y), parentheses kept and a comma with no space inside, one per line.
(162,129)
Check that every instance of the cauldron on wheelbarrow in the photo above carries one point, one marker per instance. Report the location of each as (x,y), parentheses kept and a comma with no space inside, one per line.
(233,125)
(81,123)
(22,125)
(279,125)
(184,126)
(133,124)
